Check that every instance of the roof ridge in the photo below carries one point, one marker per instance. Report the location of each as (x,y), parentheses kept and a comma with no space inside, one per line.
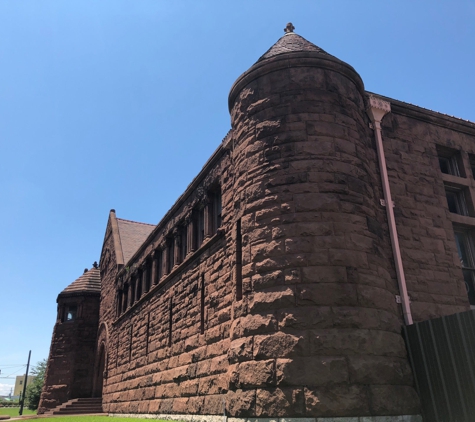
(136,222)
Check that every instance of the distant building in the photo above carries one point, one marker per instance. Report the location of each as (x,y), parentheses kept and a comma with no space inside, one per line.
(278,284)
(19,383)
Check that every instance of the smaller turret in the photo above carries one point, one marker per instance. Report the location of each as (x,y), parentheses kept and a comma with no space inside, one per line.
(69,373)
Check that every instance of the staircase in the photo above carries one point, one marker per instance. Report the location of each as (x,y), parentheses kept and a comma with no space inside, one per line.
(78,407)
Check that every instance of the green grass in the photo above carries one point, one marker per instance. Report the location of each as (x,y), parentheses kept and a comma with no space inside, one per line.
(13,411)
(95,419)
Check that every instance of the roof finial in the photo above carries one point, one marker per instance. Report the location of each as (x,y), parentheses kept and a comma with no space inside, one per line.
(95,264)
(289,28)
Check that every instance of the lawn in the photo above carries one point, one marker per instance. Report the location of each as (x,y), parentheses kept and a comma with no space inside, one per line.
(13,411)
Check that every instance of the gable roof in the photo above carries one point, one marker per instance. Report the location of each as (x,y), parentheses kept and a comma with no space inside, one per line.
(132,235)
(89,282)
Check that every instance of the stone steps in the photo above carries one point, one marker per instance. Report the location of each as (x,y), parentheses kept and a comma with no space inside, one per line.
(81,406)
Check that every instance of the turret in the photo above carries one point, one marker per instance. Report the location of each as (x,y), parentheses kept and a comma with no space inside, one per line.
(317,331)
(69,374)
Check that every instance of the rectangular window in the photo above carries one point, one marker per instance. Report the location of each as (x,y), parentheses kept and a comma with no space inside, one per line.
(199,227)
(132,292)
(450,161)
(465,249)
(457,201)
(472,163)
(139,286)
(170,255)
(125,298)
(71,312)
(217,211)
(159,267)
(183,243)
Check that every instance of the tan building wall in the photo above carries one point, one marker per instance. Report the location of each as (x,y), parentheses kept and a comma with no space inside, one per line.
(19,384)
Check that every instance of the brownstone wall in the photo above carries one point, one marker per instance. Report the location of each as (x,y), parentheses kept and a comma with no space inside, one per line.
(150,370)
(322,333)
(317,331)
(424,224)
(70,366)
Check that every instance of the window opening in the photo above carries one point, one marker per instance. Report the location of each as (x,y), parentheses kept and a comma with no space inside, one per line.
(472,163)
(238,273)
(457,201)
(139,286)
(450,161)
(183,243)
(125,299)
(71,312)
(170,255)
(465,249)
(159,267)
(132,292)
(148,276)
(217,211)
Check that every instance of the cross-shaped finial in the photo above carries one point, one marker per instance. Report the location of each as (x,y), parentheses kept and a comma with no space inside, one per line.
(289,28)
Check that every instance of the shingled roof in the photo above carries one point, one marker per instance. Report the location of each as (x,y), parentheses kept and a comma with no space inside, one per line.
(89,282)
(289,43)
(132,235)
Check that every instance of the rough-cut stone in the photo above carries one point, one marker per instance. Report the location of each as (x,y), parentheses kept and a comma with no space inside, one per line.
(288,309)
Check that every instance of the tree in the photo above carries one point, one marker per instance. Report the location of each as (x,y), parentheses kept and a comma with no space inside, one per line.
(33,391)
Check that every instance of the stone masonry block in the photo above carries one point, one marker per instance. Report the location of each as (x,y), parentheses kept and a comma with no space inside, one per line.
(311,371)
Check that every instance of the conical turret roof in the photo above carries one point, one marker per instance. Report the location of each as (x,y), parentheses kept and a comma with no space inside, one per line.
(292,50)
(290,43)
(89,282)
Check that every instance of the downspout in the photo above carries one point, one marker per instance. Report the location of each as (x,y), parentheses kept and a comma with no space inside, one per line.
(377,109)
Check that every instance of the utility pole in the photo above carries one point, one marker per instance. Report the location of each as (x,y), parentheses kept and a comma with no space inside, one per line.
(24,385)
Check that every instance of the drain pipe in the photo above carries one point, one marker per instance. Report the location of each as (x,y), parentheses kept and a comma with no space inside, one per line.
(377,109)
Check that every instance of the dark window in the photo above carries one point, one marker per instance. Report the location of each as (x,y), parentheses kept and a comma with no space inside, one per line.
(465,249)
(217,211)
(132,292)
(170,255)
(450,161)
(125,298)
(71,312)
(198,227)
(159,266)
(148,276)
(183,242)
(139,285)
(120,295)
(472,164)
(457,201)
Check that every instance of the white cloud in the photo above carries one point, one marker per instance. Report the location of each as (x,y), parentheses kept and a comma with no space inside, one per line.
(5,389)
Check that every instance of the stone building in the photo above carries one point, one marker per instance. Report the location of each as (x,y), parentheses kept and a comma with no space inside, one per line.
(278,283)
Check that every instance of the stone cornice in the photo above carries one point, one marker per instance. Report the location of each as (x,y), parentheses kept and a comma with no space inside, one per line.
(429,116)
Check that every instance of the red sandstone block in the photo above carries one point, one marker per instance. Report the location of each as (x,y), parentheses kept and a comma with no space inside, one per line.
(341,400)
(285,401)
(241,403)
(280,345)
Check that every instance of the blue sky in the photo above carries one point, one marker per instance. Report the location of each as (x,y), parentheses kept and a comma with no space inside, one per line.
(118,104)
